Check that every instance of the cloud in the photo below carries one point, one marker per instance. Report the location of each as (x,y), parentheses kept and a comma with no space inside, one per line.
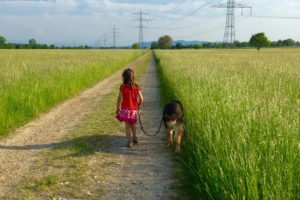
(85,21)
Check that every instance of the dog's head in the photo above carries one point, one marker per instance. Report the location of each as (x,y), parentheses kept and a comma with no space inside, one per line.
(170,120)
(173,111)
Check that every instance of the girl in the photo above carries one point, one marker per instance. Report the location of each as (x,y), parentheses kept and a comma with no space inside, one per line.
(129,100)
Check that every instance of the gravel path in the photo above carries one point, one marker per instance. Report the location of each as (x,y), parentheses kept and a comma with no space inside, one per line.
(144,172)
(147,170)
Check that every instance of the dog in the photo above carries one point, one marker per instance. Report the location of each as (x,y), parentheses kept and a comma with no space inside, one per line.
(173,121)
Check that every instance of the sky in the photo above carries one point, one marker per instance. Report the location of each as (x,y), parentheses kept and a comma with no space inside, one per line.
(79,22)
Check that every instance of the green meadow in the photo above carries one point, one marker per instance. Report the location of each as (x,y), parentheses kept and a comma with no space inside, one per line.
(242,117)
(33,81)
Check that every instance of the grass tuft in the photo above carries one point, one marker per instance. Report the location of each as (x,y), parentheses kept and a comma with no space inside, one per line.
(44,183)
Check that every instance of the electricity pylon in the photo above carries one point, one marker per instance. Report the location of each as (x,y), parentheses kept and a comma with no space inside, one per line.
(104,40)
(231,5)
(115,31)
(140,17)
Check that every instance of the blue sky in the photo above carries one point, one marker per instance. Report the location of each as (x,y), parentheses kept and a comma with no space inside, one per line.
(75,22)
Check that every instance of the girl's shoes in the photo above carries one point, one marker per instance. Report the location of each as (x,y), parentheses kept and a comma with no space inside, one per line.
(129,145)
(135,141)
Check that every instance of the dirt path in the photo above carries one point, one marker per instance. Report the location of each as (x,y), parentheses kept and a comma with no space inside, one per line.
(147,170)
(143,172)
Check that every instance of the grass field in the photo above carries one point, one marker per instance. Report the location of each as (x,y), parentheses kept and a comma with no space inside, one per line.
(32,81)
(243,119)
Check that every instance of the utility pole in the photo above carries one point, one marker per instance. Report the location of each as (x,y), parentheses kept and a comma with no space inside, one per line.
(104,40)
(231,5)
(140,17)
(115,31)
(98,43)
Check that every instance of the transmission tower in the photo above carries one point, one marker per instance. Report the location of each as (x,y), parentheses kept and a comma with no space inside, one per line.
(140,17)
(229,35)
(104,40)
(115,31)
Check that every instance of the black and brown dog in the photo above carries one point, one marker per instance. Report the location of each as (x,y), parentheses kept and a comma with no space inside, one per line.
(173,120)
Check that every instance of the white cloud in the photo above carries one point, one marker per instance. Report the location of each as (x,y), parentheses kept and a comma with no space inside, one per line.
(87,20)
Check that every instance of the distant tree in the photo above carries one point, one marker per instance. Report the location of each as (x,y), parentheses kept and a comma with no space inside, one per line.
(10,46)
(198,46)
(207,45)
(259,40)
(25,46)
(135,46)
(237,43)
(244,44)
(2,41)
(288,42)
(219,46)
(273,44)
(154,45)
(279,43)
(165,42)
(52,46)
(179,45)
(42,46)
(32,43)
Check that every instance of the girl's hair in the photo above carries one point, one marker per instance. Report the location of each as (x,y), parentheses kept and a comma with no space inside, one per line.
(128,77)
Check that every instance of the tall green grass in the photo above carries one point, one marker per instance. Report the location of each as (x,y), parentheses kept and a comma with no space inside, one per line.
(32,81)
(242,113)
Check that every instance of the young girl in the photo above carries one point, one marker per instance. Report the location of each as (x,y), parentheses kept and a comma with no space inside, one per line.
(129,100)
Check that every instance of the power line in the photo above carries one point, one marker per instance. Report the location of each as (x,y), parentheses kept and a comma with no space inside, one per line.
(176,20)
(217,26)
(140,17)
(104,40)
(201,22)
(211,29)
(274,17)
(190,13)
(115,31)
(231,5)
(179,7)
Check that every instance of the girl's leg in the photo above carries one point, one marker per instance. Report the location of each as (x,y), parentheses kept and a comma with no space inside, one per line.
(133,129)
(128,134)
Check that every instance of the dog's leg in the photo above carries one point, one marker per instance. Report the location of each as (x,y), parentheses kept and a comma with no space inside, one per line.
(170,137)
(178,138)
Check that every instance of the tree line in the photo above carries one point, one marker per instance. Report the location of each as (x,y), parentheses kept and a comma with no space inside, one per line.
(33,44)
(257,40)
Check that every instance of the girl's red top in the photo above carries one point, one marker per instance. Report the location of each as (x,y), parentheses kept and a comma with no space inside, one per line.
(130,95)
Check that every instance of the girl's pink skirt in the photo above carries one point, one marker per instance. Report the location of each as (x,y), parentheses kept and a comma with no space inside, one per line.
(128,116)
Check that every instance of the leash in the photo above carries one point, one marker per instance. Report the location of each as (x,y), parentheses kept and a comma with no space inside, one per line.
(142,128)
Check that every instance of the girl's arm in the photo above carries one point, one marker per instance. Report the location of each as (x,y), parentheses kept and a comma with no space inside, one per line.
(119,101)
(140,98)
